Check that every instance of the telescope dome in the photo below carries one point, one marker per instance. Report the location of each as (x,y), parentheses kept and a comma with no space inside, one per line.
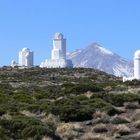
(58,36)
(25,50)
(137,54)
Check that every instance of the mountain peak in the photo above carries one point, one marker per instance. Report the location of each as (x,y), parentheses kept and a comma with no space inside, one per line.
(97,57)
(100,48)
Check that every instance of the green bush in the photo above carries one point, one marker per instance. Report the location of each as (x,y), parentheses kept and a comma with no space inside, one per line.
(77,108)
(134,82)
(4,134)
(118,99)
(6,88)
(119,120)
(3,98)
(23,97)
(21,127)
(38,95)
(37,132)
(3,109)
(80,88)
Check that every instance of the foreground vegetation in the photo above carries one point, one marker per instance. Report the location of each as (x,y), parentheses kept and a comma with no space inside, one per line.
(66,104)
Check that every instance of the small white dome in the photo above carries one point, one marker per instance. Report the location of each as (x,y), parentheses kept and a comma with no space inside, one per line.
(25,50)
(58,36)
(13,62)
(137,54)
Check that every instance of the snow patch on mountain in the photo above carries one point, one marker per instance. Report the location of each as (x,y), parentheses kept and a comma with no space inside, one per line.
(97,57)
(106,51)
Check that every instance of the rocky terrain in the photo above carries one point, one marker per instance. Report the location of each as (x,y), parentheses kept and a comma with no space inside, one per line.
(67,104)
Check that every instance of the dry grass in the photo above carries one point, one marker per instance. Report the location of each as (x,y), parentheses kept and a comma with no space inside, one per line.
(6,116)
(68,130)
(68,126)
(92,136)
(138,135)
(100,117)
(120,110)
(51,118)
(121,130)
(99,114)
(137,124)
(136,115)
(27,113)
(46,138)
(88,94)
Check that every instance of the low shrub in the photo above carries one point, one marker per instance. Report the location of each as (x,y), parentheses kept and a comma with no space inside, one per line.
(70,88)
(4,134)
(20,127)
(23,97)
(38,95)
(131,105)
(119,120)
(36,132)
(118,99)
(3,110)
(79,108)
(32,108)
(100,128)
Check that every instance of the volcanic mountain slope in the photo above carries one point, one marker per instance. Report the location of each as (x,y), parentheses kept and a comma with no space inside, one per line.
(97,57)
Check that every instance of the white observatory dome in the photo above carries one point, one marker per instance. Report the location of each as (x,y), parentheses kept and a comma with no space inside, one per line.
(58,36)
(13,62)
(137,54)
(25,50)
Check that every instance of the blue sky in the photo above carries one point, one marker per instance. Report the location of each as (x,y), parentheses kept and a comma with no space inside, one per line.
(115,24)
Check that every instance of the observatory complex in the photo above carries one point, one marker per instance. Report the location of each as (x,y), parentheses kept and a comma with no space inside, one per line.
(136,68)
(58,56)
(137,65)
(25,58)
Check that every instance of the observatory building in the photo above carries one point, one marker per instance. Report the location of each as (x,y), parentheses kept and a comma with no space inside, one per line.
(136,68)
(137,65)
(25,58)
(58,55)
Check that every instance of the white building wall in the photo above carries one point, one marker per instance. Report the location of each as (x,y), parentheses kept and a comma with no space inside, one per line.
(26,58)
(58,56)
(59,48)
(61,63)
(128,79)
(137,68)
(20,58)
